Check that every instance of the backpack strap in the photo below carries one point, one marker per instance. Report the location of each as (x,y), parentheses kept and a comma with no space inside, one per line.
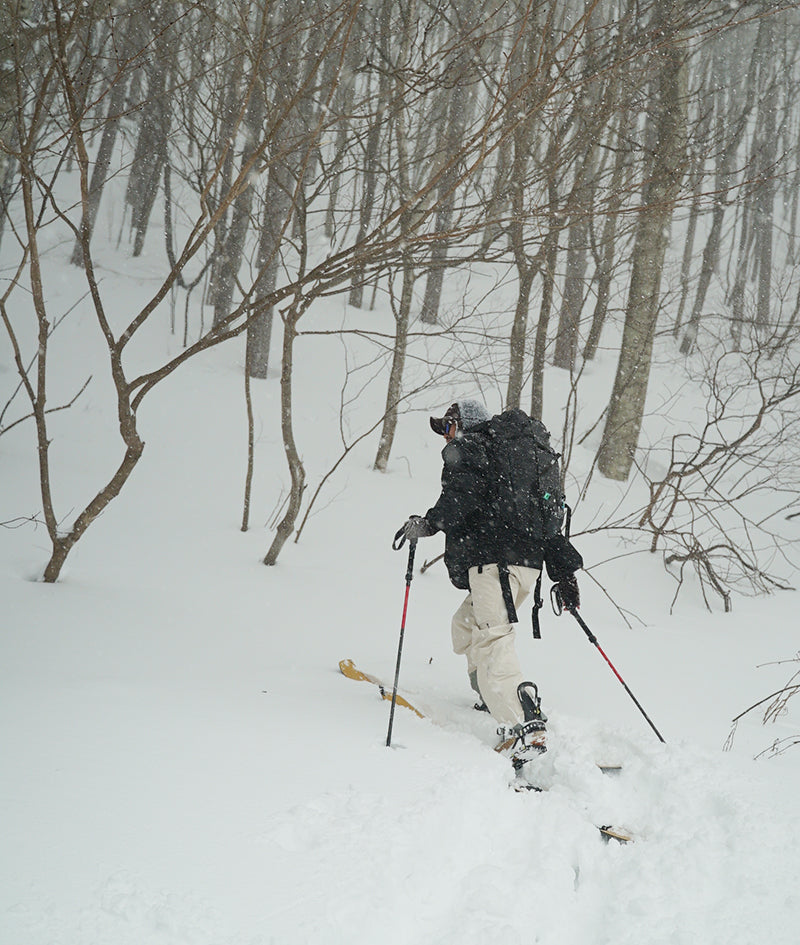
(508,597)
(537,606)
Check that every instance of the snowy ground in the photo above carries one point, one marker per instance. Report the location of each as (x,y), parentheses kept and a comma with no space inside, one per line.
(183,762)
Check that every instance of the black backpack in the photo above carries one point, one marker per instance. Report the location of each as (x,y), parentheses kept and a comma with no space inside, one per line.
(527,497)
(527,500)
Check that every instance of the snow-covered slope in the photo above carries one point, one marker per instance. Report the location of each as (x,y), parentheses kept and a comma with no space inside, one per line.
(183,762)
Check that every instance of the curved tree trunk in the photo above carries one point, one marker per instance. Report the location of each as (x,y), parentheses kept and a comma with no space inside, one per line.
(63,541)
(296,468)
(63,544)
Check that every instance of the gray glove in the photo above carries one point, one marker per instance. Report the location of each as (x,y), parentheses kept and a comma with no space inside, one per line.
(417,527)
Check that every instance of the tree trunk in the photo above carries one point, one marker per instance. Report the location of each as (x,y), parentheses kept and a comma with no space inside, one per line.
(63,544)
(296,469)
(626,408)
(233,249)
(709,263)
(498,199)
(710,123)
(13,33)
(403,313)
(63,541)
(394,393)
(736,299)
(251,441)
(374,137)
(765,199)
(729,129)
(151,151)
(523,68)
(548,286)
(282,192)
(224,146)
(688,249)
(590,120)
(569,319)
(519,332)
(604,265)
(277,206)
(455,121)
(548,269)
(102,164)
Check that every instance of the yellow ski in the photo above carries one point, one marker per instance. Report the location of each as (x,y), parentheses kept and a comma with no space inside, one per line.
(349,669)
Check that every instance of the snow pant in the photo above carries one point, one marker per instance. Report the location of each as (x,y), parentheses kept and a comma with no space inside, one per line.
(482,632)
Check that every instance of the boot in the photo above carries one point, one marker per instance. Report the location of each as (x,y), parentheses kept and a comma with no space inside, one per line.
(526,739)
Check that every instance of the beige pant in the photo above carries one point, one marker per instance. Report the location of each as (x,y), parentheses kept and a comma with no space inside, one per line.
(481,632)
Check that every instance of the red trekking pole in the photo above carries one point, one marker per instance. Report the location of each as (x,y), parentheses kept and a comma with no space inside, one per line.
(558,607)
(397,544)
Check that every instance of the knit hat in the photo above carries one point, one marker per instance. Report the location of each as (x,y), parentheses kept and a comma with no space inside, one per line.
(466,413)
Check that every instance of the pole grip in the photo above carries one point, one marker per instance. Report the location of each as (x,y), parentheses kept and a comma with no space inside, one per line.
(410,569)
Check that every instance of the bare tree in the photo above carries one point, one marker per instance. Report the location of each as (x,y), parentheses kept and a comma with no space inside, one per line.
(528,77)
(62,63)
(458,99)
(591,108)
(606,250)
(378,95)
(732,119)
(706,504)
(60,101)
(418,154)
(329,148)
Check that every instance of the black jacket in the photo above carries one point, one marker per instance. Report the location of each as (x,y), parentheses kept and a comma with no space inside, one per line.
(466,512)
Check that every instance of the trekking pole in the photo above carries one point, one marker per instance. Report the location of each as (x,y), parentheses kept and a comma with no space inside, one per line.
(593,639)
(397,544)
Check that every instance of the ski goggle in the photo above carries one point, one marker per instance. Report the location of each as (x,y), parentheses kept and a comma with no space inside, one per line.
(448,426)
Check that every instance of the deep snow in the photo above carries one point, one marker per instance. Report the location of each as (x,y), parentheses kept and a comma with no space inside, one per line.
(183,762)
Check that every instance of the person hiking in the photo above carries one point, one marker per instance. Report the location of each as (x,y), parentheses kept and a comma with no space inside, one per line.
(500,524)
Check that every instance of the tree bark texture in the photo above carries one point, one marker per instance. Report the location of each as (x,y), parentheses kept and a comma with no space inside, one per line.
(667,167)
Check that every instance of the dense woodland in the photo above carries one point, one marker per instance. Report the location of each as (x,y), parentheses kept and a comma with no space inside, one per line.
(628,170)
